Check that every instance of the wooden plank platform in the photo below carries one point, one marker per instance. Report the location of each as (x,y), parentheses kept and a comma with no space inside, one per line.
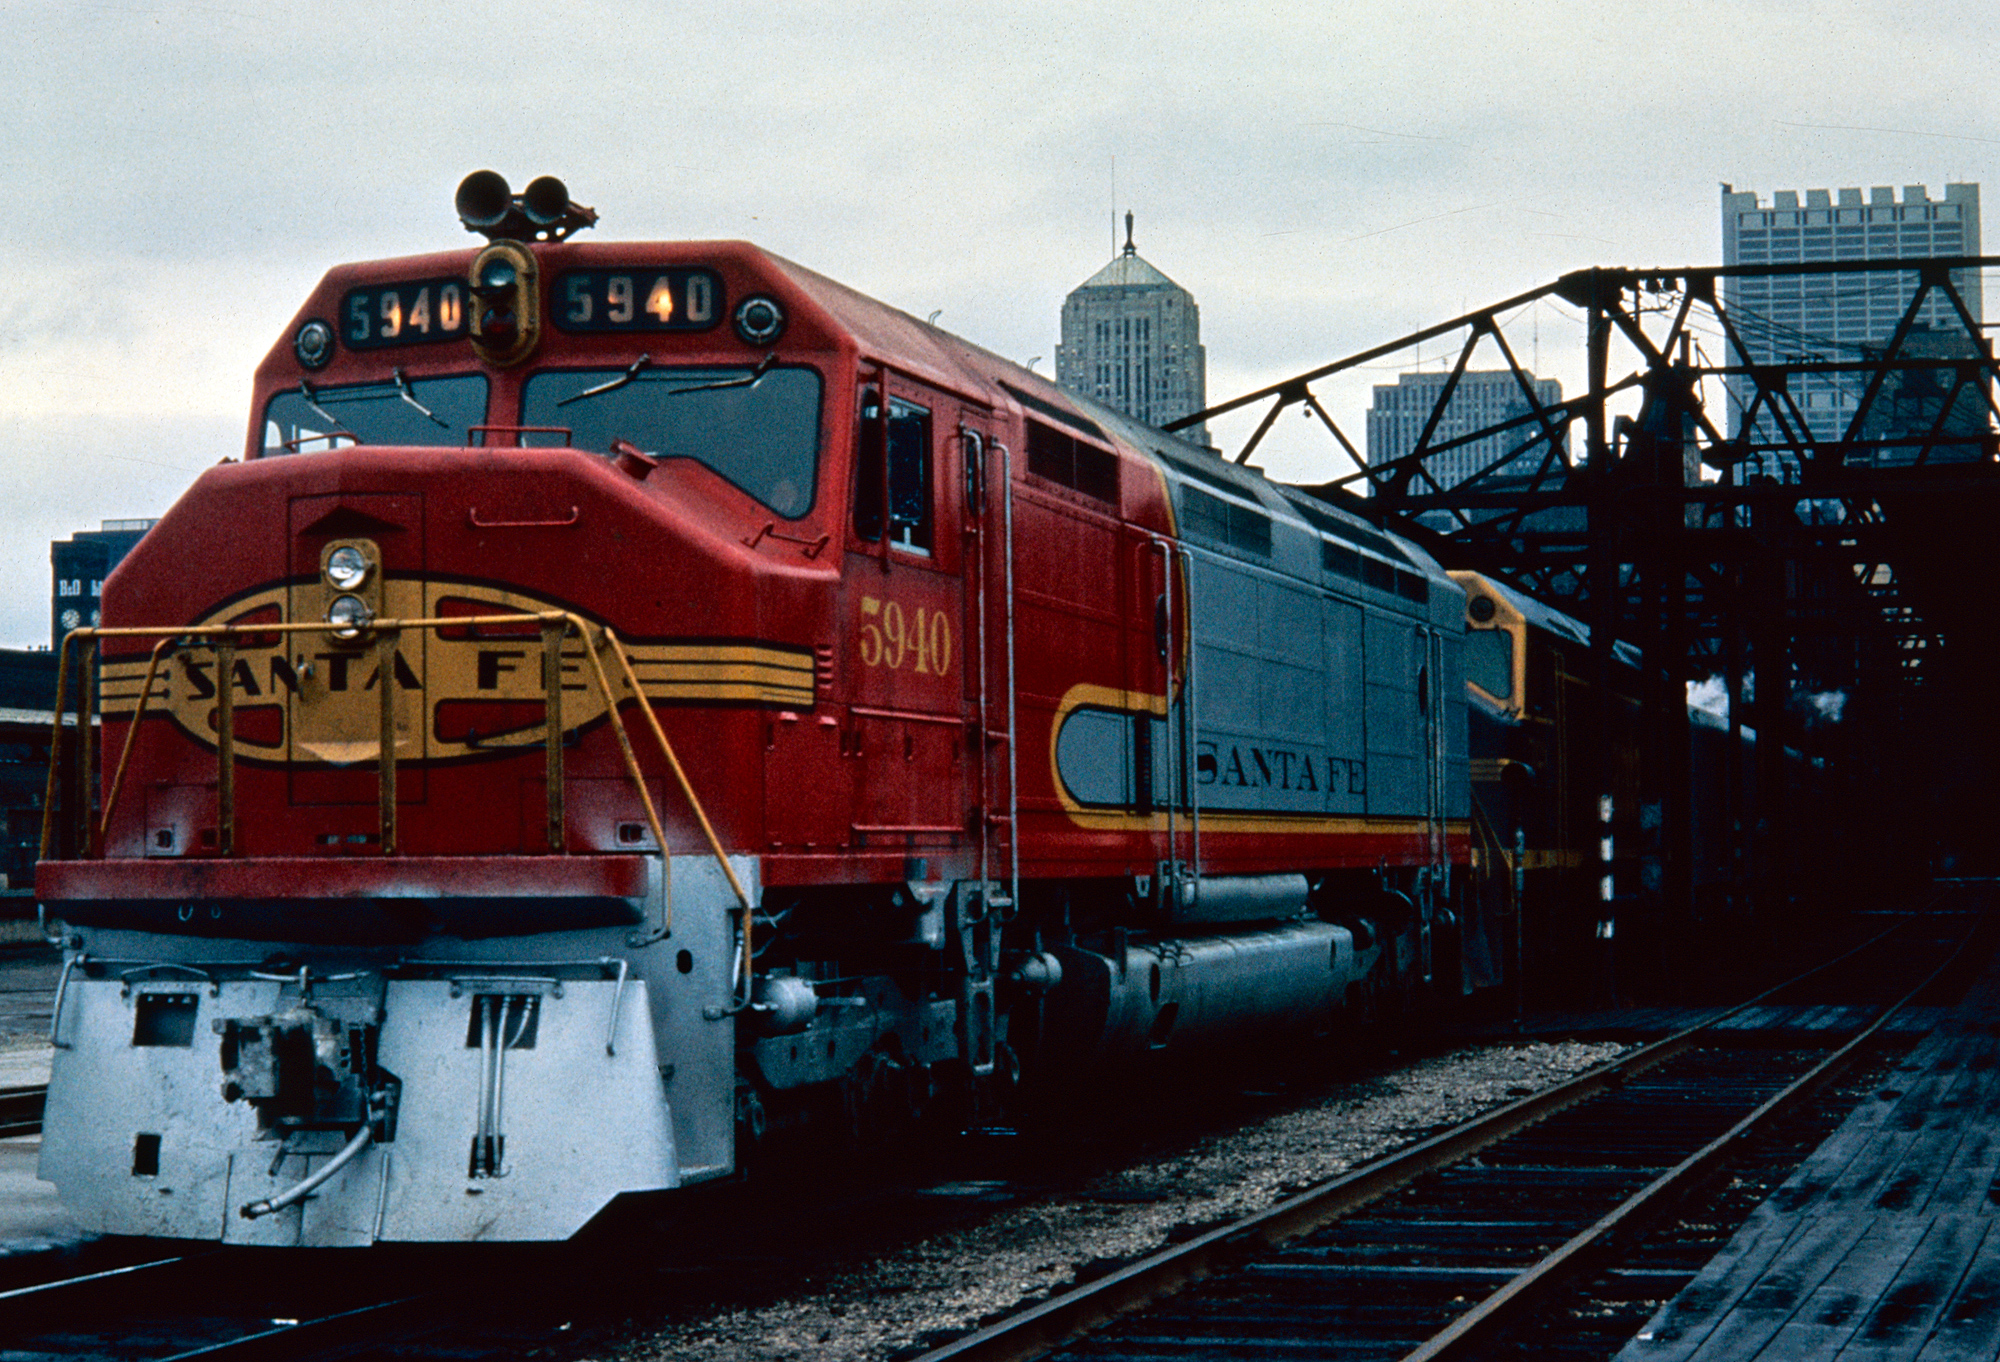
(1884,1245)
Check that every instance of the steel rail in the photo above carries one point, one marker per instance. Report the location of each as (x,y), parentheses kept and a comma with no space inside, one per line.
(88,1293)
(342,1329)
(1050,1324)
(41,1292)
(1477,1325)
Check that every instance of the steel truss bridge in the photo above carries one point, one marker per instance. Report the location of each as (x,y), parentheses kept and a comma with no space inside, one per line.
(1704,501)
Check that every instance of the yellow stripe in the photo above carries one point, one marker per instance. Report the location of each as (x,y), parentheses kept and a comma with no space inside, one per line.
(789,659)
(1534,860)
(723,671)
(1217,820)
(771,694)
(767,656)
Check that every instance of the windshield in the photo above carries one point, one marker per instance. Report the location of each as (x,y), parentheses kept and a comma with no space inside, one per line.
(401,411)
(1489,662)
(757,428)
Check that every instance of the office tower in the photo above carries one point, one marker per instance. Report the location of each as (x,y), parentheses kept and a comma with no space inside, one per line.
(1847,318)
(1483,398)
(1131,338)
(81,563)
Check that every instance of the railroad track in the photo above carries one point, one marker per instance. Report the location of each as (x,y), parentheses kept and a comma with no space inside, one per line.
(21,1110)
(203,1305)
(1436,1250)
(85,1321)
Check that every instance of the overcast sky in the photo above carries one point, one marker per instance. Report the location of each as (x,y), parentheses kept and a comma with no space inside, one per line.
(1322,177)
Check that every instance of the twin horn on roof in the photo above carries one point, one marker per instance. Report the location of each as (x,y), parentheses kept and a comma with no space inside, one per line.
(541,212)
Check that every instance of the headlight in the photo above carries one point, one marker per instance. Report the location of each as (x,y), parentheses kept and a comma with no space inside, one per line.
(348,615)
(347,567)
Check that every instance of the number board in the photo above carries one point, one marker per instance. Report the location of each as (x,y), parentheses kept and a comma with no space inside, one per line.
(637,300)
(410,313)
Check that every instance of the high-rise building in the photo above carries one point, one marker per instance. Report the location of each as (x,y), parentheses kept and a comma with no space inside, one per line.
(1483,398)
(1847,318)
(1131,338)
(81,564)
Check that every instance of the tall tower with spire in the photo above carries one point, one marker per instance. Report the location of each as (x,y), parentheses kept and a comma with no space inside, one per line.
(1131,338)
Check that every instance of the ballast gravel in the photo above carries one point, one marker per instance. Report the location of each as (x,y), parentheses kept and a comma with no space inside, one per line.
(918,1291)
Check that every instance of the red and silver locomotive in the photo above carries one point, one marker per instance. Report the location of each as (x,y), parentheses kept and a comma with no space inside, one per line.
(627,696)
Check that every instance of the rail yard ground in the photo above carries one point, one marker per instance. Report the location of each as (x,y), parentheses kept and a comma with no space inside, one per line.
(28,973)
(818,1261)
(880,1296)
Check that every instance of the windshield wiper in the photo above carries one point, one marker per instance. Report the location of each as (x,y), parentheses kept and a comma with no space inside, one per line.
(403,387)
(748,380)
(312,400)
(745,381)
(613,385)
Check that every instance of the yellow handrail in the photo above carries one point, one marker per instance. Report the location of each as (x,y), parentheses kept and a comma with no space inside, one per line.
(174,636)
(687,789)
(638,780)
(55,746)
(556,624)
(125,752)
(1496,852)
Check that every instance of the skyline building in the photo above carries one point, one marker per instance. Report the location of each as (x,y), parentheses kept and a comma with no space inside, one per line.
(1835,318)
(1131,339)
(1483,398)
(80,564)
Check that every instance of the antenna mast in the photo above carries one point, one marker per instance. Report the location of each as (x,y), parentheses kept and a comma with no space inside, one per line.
(1114,205)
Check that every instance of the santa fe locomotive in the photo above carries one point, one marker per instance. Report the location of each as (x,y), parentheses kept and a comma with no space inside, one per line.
(627,697)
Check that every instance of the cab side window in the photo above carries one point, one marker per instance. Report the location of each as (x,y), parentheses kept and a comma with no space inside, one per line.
(905,434)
